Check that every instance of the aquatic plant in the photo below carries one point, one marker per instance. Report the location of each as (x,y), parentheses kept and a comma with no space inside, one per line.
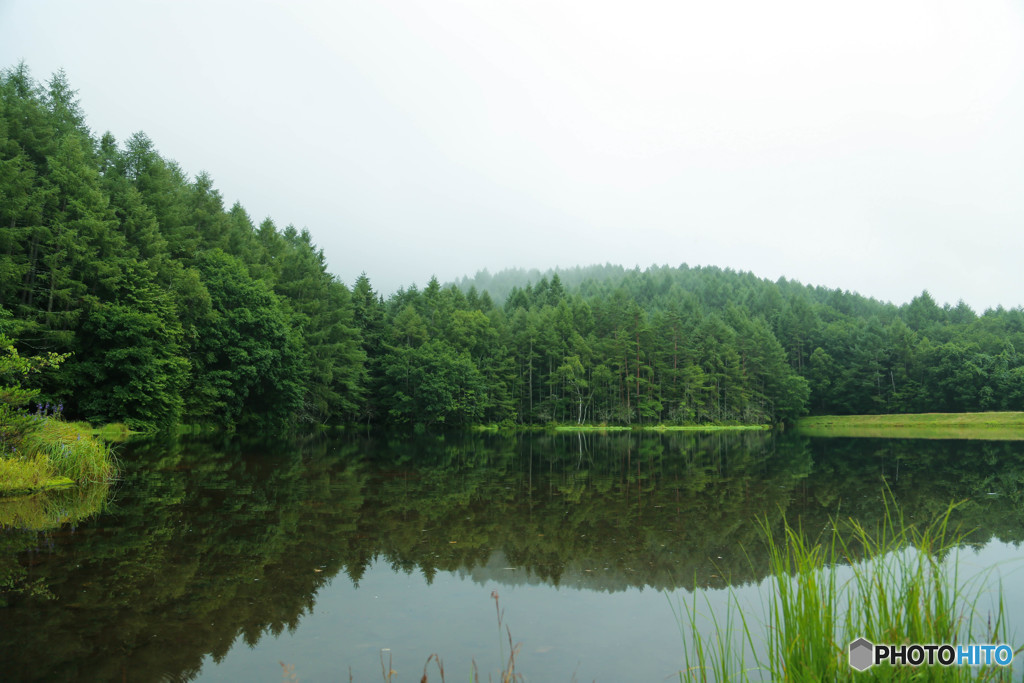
(904,587)
(71,451)
(506,675)
(42,451)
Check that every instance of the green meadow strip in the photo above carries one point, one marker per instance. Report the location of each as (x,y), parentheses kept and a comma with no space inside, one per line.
(657,428)
(605,427)
(991,426)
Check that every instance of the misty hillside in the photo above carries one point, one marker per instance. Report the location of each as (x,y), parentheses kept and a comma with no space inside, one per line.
(588,278)
(176,308)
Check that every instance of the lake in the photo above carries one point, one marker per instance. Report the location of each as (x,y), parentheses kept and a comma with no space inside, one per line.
(220,558)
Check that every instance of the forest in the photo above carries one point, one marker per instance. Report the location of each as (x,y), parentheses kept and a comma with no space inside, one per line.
(177,309)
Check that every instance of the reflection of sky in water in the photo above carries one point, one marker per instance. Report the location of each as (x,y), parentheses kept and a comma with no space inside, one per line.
(565,632)
(1000,562)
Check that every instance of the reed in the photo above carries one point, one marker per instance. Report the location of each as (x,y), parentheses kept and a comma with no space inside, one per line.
(508,673)
(46,452)
(19,473)
(897,584)
(71,450)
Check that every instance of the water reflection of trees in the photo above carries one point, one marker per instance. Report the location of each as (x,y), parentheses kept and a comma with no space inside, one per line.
(205,543)
(23,517)
(638,511)
(202,544)
(613,512)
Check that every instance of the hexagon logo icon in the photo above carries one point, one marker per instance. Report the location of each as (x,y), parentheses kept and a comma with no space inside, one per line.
(861,654)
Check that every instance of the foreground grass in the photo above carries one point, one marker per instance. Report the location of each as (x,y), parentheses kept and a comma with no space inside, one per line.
(902,591)
(47,452)
(997,425)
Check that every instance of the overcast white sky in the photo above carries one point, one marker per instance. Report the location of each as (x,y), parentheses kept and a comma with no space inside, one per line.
(875,146)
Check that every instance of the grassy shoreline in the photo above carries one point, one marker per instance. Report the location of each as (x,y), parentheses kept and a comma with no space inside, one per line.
(660,428)
(992,425)
(621,428)
(47,453)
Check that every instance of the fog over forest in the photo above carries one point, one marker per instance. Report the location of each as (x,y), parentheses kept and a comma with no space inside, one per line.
(168,306)
(873,147)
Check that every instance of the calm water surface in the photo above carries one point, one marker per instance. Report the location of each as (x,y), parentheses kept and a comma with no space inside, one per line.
(217,559)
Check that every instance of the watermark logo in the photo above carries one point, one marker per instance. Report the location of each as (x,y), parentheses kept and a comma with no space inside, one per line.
(864,654)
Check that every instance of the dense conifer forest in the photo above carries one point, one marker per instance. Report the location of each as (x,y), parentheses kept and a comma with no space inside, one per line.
(176,308)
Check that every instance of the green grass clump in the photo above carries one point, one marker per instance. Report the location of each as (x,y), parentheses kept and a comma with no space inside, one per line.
(71,450)
(902,590)
(115,432)
(28,474)
(48,452)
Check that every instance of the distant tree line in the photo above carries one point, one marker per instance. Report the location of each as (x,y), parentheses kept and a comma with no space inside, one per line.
(178,309)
